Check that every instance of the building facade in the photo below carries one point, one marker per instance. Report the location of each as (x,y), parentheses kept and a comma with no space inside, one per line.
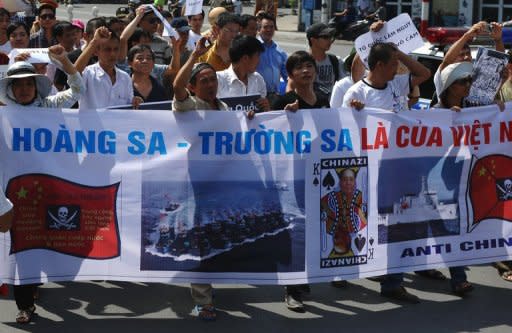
(454,12)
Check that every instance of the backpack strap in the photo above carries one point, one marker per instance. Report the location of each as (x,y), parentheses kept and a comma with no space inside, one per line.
(336,66)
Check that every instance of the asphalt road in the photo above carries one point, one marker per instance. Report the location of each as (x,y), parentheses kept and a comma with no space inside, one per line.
(111,307)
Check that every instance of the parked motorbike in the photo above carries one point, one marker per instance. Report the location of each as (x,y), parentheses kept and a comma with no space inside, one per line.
(349,30)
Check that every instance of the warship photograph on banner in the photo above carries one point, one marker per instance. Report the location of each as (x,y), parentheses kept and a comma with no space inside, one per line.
(421,205)
(192,225)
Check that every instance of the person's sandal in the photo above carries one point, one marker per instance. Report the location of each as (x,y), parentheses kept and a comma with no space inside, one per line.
(461,289)
(205,312)
(507,276)
(25,316)
(504,270)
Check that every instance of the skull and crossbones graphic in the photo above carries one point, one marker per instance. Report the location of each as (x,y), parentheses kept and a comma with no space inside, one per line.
(62,219)
(506,192)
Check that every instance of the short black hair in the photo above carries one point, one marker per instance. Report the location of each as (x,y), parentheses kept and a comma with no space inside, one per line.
(266,16)
(60,28)
(245,19)
(201,13)
(4,12)
(111,20)
(15,25)
(380,52)
(298,58)
(244,45)
(114,36)
(94,24)
(46,6)
(226,18)
(166,14)
(139,49)
(137,35)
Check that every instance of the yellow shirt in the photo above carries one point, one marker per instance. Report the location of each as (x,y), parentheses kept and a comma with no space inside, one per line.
(506,91)
(214,59)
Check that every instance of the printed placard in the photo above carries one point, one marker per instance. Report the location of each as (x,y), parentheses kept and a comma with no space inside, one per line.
(193,7)
(343,211)
(401,31)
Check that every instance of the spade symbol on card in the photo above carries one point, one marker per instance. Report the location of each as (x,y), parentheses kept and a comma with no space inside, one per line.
(316,181)
(328,181)
(371,240)
(360,241)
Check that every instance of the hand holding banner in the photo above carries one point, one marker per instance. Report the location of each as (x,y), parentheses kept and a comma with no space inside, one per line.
(37,56)
(168,30)
(400,31)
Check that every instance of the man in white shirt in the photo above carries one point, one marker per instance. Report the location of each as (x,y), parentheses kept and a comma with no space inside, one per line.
(241,78)
(106,85)
(382,88)
(196,23)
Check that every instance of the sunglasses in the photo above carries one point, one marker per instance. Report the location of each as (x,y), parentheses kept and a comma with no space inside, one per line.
(329,37)
(464,81)
(47,17)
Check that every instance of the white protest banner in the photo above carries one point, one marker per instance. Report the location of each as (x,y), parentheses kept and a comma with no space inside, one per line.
(283,198)
(400,31)
(168,30)
(37,56)
(193,7)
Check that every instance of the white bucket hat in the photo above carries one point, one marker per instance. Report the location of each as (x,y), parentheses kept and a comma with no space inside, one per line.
(18,70)
(454,72)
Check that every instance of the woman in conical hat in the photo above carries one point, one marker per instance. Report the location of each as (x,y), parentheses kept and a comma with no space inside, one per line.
(23,86)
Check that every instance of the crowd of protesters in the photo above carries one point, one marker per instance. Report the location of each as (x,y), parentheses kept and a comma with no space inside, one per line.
(111,61)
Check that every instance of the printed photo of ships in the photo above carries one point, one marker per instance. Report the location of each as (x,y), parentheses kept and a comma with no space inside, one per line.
(225,224)
(418,198)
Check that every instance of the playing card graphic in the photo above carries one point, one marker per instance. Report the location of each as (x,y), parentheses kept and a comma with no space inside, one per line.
(343,211)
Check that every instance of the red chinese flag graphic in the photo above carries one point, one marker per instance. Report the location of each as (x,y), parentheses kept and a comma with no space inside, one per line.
(490,189)
(56,214)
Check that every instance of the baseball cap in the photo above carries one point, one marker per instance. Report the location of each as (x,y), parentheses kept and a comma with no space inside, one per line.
(50,3)
(318,30)
(78,23)
(122,12)
(198,67)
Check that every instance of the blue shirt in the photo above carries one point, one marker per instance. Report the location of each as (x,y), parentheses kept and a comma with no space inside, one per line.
(272,66)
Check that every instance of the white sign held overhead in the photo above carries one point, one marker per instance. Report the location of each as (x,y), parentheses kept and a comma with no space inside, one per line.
(401,31)
(193,7)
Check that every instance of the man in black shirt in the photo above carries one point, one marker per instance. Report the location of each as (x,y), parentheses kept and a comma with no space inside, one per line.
(301,68)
